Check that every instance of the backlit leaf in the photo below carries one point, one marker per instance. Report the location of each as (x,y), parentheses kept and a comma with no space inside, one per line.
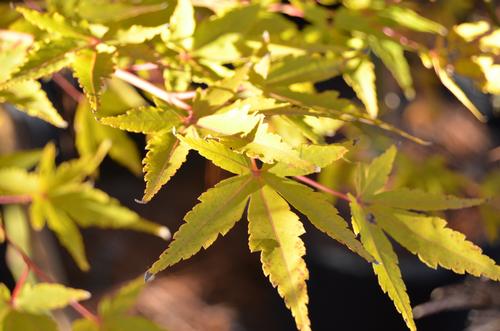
(91,68)
(275,231)
(219,209)
(387,269)
(434,243)
(29,97)
(164,157)
(43,297)
(320,212)
(362,80)
(420,200)
(144,120)
(15,320)
(373,177)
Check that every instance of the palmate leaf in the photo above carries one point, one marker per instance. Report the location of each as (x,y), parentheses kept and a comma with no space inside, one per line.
(67,232)
(88,207)
(392,55)
(320,212)
(43,297)
(45,58)
(362,80)
(29,97)
(136,34)
(183,23)
(165,156)
(387,269)
(12,53)
(15,320)
(54,24)
(90,134)
(21,159)
(91,68)
(219,209)
(18,181)
(410,19)
(113,311)
(219,154)
(319,155)
(275,231)
(303,69)
(420,200)
(145,119)
(270,148)
(434,243)
(372,178)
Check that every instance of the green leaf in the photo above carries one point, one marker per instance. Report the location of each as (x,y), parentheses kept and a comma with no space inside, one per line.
(37,216)
(221,92)
(420,200)
(450,84)
(320,212)
(219,209)
(17,227)
(17,181)
(92,68)
(45,58)
(362,80)
(392,55)
(43,297)
(164,157)
(434,243)
(23,159)
(387,269)
(372,178)
(303,69)
(269,148)
(130,323)
(84,325)
(275,231)
(219,154)
(122,301)
(77,170)
(28,322)
(231,120)
(136,34)
(319,155)
(91,207)
(144,120)
(183,23)
(410,19)
(236,21)
(29,97)
(55,24)
(67,233)
(12,54)
(90,135)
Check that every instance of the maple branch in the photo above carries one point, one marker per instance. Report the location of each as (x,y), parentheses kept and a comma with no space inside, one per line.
(323,188)
(31,265)
(14,199)
(138,82)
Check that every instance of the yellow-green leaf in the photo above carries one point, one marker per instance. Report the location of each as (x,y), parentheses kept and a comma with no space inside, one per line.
(15,320)
(275,231)
(165,156)
(67,233)
(387,269)
(372,178)
(17,181)
(91,68)
(320,212)
(420,200)
(21,159)
(319,155)
(362,80)
(43,297)
(219,154)
(434,243)
(122,301)
(219,209)
(144,120)
(29,97)
(183,23)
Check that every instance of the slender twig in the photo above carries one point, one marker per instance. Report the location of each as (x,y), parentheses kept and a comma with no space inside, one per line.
(323,188)
(14,199)
(148,87)
(19,284)
(31,265)
(67,87)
